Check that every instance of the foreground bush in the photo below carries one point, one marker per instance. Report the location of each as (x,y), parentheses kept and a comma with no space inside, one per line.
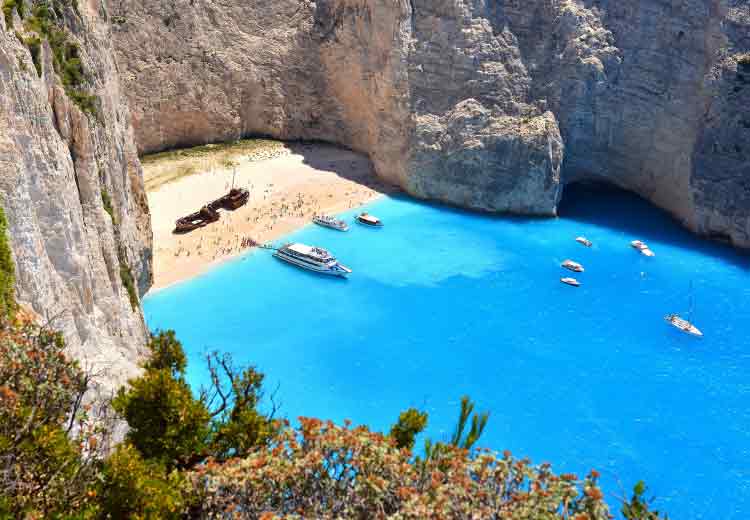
(217,456)
(325,471)
(48,445)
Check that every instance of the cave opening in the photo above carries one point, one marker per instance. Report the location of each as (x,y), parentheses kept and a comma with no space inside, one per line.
(625,213)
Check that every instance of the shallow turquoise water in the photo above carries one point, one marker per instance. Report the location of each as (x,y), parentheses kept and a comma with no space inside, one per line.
(444,303)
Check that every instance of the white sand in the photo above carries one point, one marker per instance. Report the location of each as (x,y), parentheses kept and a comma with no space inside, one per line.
(285,192)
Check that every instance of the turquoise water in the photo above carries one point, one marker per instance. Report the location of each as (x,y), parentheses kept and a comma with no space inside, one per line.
(444,303)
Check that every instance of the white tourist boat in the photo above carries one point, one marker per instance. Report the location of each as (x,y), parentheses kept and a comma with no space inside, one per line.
(369,220)
(642,247)
(330,222)
(585,241)
(683,325)
(572,266)
(312,258)
(571,281)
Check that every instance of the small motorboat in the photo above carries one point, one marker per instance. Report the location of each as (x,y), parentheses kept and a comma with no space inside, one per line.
(330,222)
(571,281)
(585,241)
(642,247)
(369,220)
(573,266)
(683,325)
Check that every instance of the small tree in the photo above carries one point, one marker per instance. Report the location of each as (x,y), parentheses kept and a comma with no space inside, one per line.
(460,439)
(167,423)
(233,398)
(638,508)
(410,423)
(170,425)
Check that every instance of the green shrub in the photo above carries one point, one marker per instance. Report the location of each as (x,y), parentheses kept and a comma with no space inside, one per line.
(65,54)
(126,277)
(86,102)
(410,423)
(44,431)
(7,272)
(8,6)
(169,425)
(107,203)
(135,488)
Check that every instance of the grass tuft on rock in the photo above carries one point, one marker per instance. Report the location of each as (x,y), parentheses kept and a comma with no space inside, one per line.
(7,272)
(107,202)
(126,276)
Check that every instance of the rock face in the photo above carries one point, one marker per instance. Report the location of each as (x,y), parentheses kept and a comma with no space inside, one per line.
(59,165)
(488,104)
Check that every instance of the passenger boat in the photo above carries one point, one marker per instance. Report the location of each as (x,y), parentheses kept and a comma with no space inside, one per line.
(571,281)
(312,258)
(642,247)
(683,325)
(573,266)
(585,241)
(330,222)
(369,220)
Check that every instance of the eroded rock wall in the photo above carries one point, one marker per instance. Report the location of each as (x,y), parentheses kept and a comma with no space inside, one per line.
(58,164)
(488,104)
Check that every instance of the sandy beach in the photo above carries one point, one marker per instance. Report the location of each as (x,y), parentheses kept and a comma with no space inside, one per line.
(288,184)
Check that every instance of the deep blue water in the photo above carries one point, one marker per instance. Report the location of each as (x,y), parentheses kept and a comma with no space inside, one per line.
(444,303)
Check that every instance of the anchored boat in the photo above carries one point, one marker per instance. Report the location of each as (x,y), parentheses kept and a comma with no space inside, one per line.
(585,241)
(573,266)
(642,247)
(571,281)
(683,325)
(330,222)
(369,220)
(312,258)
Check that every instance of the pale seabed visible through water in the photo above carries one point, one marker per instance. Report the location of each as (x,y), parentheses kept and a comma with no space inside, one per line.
(444,303)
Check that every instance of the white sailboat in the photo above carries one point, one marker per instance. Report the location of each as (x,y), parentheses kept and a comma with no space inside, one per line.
(682,324)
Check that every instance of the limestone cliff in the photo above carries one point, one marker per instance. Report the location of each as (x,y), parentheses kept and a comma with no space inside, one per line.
(71,183)
(488,104)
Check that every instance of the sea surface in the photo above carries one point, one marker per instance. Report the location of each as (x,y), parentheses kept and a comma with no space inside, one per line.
(444,303)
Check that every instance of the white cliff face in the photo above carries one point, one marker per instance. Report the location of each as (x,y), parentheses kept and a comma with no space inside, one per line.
(489,104)
(55,162)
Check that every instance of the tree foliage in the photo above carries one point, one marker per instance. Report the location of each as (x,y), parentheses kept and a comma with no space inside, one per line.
(137,488)
(48,444)
(638,508)
(410,423)
(325,471)
(170,425)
